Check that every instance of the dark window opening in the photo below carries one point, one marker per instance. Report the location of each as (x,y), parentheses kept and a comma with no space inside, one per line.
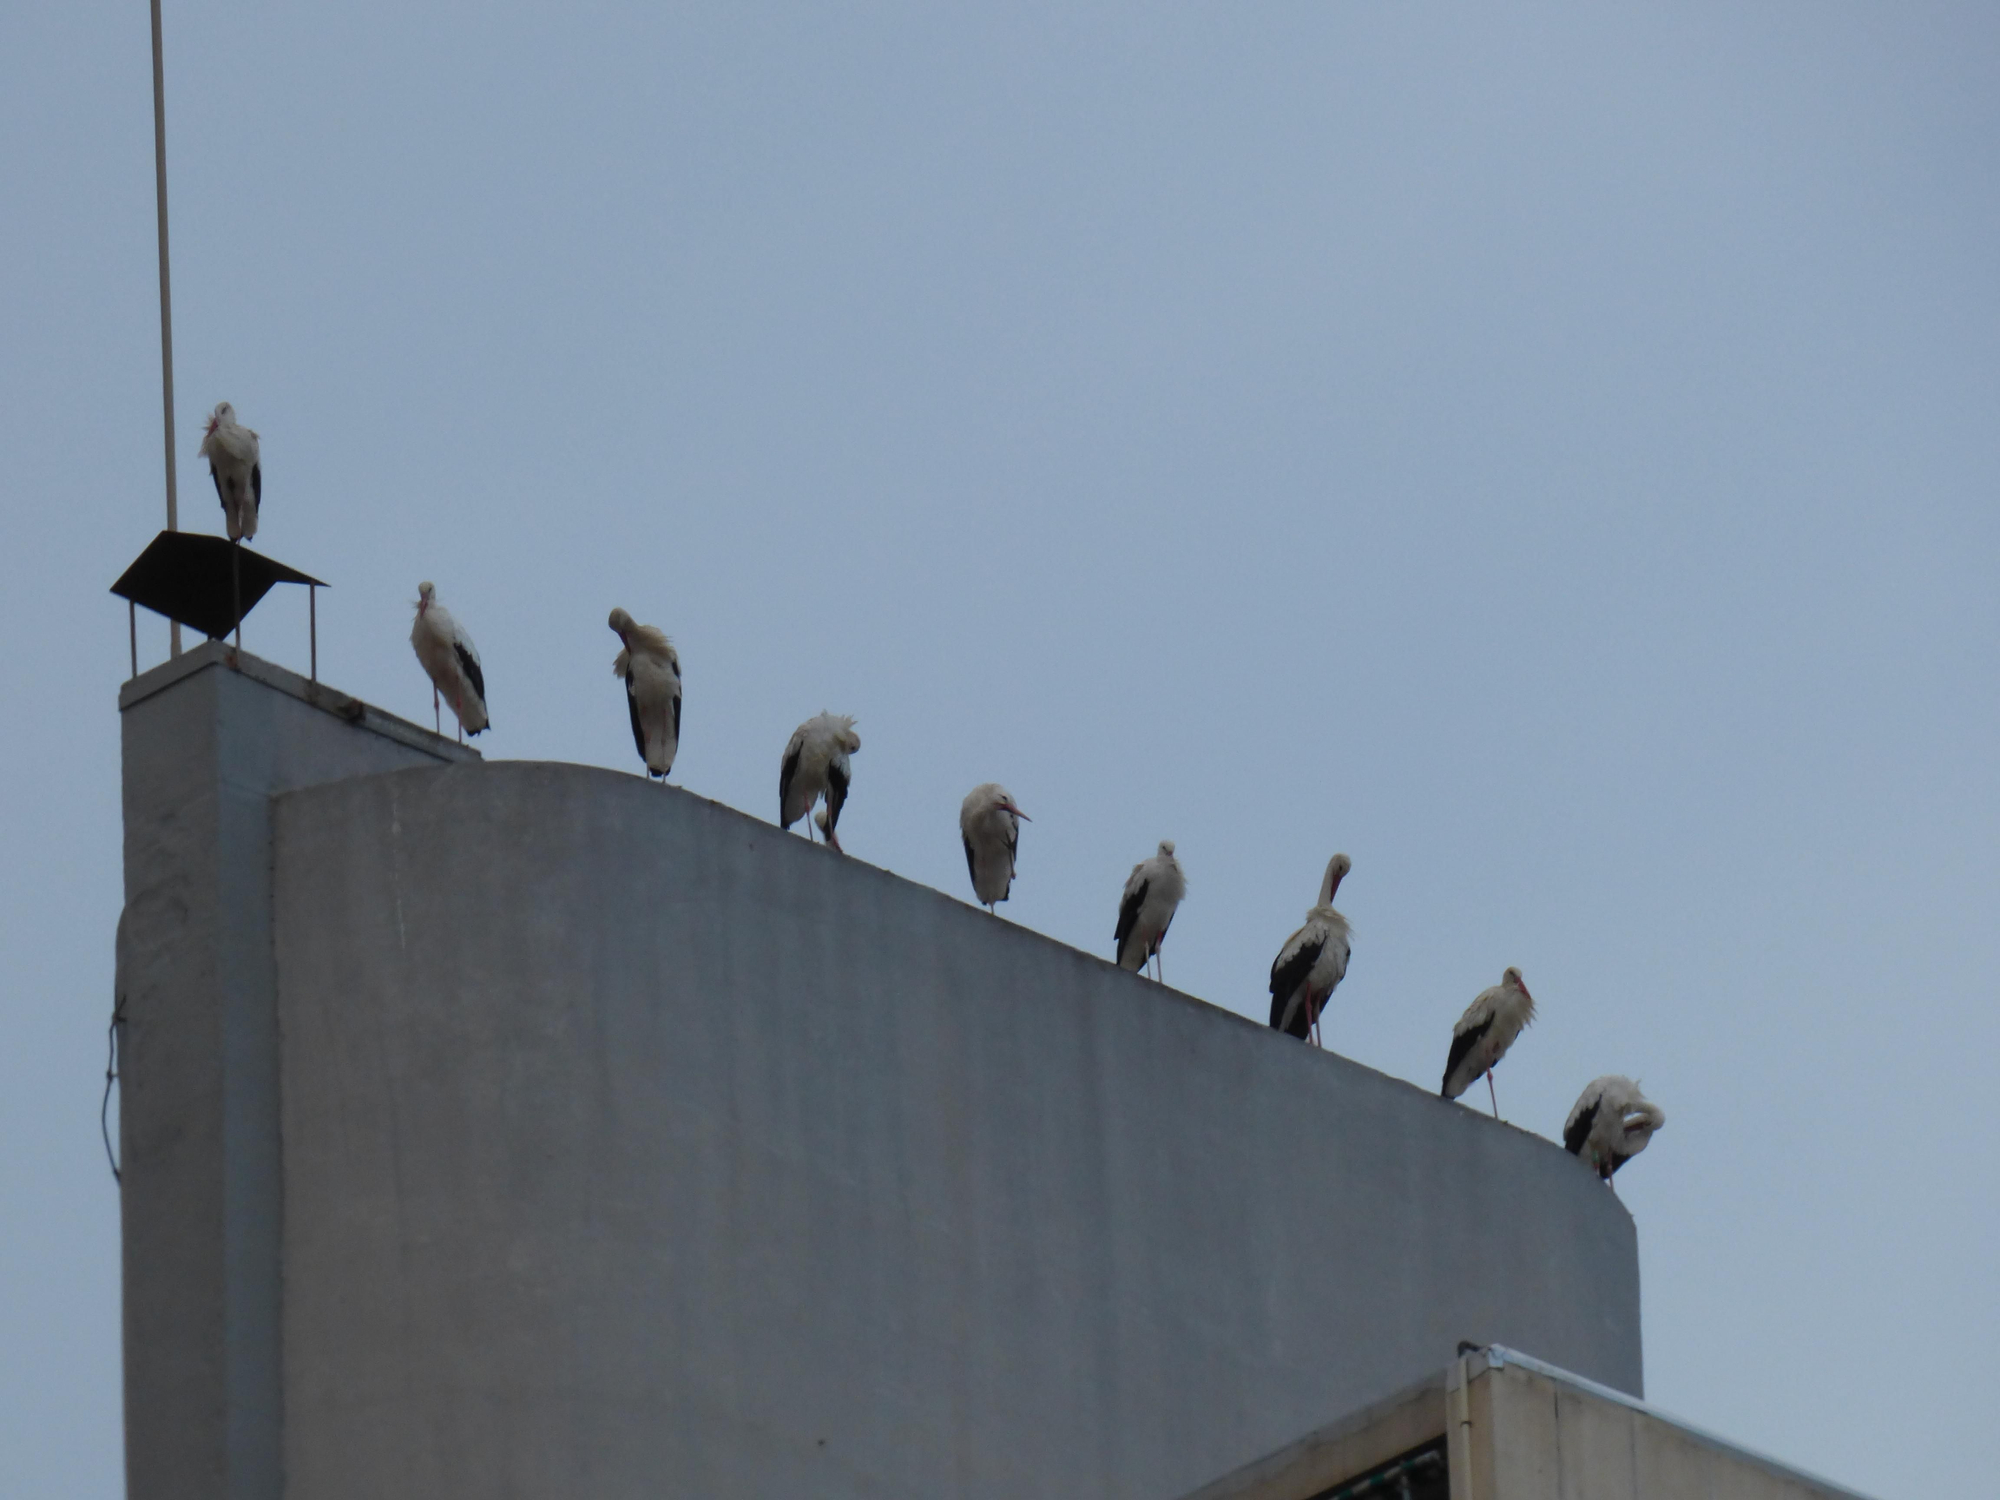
(1420,1474)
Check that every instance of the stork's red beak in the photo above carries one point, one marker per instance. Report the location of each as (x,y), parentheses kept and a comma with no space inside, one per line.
(1018,813)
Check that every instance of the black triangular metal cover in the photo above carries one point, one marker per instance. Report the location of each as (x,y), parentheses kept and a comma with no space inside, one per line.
(185,575)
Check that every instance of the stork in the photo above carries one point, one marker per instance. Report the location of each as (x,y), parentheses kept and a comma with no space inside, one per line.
(990,822)
(1153,893)
(451,662)
(1484,1033)
(1312,962)
(1612,1123)
(816,766)
(651,669)
(233,463)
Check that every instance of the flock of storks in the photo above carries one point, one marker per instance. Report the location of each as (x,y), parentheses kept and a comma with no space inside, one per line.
(1611,1123)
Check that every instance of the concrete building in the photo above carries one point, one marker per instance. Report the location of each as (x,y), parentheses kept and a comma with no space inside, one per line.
(528,1130)
(1499,1425)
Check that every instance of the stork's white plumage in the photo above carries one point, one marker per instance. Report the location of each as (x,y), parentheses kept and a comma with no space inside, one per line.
(1612,1123)
(990,824)
(816,766)
(451,662)
(1153,893)
(1484,1033)
(235,464)
(1312,962)
(651,671)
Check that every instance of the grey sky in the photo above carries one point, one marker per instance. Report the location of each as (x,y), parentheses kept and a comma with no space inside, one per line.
(1547,451)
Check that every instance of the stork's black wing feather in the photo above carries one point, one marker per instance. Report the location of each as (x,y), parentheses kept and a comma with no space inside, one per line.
(257,484)
(220,498)
(677,712)
(1579,1129)
(469,665)
(836,794)
(785,774)
(1286,977)
(1461,1049)
(638,729)
(1128,913)
(970,867)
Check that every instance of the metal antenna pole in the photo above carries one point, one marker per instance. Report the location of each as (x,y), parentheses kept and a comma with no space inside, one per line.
(166,295)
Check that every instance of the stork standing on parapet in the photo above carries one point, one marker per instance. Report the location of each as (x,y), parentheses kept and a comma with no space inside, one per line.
(990,822)
(651,670)
(1312,962)
(816,765)
(451,662)
(1484,1033)
(1612,1123)
(1153,893)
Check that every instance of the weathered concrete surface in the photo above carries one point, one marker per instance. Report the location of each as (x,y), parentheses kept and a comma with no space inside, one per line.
(1517,1428)
(633,1147)
(1532,1431)
(204,747)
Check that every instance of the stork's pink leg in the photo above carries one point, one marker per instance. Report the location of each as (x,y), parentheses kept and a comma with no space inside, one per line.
(437,713)
(1491,1095)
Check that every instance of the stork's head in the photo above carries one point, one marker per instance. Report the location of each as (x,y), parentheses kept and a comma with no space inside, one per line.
(426,595)
(1512,978)
(1643,1114)
(1167,848)
(1336,871)
(843,733)
(621,622)
(1003,801)
(223,412)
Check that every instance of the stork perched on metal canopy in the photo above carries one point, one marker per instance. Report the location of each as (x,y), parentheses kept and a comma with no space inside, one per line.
(235,464)
(816,765)
(1312,961)
(1153,893)
(989,823)
(651,670)
(451,662)
(1484,1033)
(1611,1123)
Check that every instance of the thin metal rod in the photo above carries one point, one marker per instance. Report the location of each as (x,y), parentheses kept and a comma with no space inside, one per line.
(166,280)
(312,625)
(132,620)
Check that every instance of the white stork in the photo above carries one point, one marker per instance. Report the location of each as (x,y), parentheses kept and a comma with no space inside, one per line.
(816,766)
(233,463)
(451,661)
(1611,1124)
(990,824)
(651,669)
(1312,962)
(1484,1033)
(1153,893)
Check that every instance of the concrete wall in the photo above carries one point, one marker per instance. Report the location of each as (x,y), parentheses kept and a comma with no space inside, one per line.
(633,1147)
(1524,1431)
(204,748)
(1517,1428)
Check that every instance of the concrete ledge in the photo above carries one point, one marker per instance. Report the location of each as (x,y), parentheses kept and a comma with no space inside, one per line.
(217,656)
